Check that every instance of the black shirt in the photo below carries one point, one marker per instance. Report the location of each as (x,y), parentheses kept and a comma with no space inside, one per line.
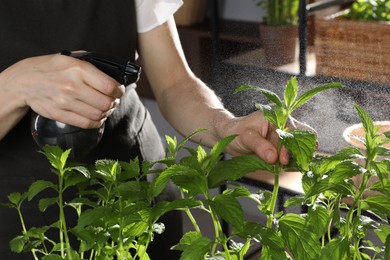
(37,27)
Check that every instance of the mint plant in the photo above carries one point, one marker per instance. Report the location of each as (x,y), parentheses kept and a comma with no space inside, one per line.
(113,202)
(365,10)
(301,144)
(320,233)
(330,181)
(117,217)
(196,174)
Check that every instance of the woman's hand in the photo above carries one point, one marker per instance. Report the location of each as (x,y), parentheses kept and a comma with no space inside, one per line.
(257,136)
(58,87)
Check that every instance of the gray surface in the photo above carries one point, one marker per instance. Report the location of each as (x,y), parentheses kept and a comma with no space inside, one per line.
(329,112)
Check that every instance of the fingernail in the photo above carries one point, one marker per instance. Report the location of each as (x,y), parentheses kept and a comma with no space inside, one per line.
(286,158)
(269,156)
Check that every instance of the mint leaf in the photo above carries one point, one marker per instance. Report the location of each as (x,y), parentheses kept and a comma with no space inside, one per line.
(345,170)
(194,246)
(217,150)
(46,202)
(269,114)
(309,94)
(161,181)
(318,220)
(17,198)
(298,238)
(343,188)
(235,168)
(301,145)
(38,186)
(267,93)
(56,156)
(291,92)
(336,249)
(229,209)
(379,204)
(17,244)
(163,207)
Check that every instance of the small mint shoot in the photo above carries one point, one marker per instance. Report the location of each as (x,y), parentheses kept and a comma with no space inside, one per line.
(108,169)
(17,198)
(173,147)
(56,156)
(311,93)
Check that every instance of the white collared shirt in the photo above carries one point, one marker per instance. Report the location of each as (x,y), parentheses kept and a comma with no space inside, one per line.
(152,13)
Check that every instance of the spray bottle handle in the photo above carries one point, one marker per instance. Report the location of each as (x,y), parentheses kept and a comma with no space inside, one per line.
(82,141)
(119,69)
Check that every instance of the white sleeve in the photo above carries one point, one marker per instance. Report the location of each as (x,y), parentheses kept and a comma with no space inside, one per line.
(152,13)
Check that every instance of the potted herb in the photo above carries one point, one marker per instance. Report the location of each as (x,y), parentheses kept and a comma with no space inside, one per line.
(365,10)
(353,43)
(279,30)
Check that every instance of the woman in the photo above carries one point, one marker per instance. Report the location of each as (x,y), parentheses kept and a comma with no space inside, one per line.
(34,76)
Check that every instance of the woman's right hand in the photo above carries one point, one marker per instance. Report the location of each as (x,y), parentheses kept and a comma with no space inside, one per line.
(58,87)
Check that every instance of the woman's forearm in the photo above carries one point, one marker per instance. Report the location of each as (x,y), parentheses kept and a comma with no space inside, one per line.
(12,109)
(190,105)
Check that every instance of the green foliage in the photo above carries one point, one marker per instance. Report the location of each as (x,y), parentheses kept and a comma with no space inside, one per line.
(118,218)
(370,10)
(323,232)
(280,12)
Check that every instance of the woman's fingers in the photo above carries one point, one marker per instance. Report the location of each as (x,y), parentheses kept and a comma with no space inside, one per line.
(69,90)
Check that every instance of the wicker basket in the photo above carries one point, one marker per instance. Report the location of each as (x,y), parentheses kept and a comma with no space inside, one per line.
(191,12)
(353,49)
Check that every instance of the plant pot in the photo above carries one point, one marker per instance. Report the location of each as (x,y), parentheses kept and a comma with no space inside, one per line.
(357,50)
(357,130)
(191,12)
(280,43)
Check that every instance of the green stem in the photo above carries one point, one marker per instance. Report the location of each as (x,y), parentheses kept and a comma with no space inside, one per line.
(120,252)
(22,220)
(218,231)
(25,230)
(63,226)
(329,232)
(272,205)
(193,221)
(357,253)
(356,200)
(226,249)
(91,255)
(215,221)
(190,216)
(146,245)
(351,211)
(330,207)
